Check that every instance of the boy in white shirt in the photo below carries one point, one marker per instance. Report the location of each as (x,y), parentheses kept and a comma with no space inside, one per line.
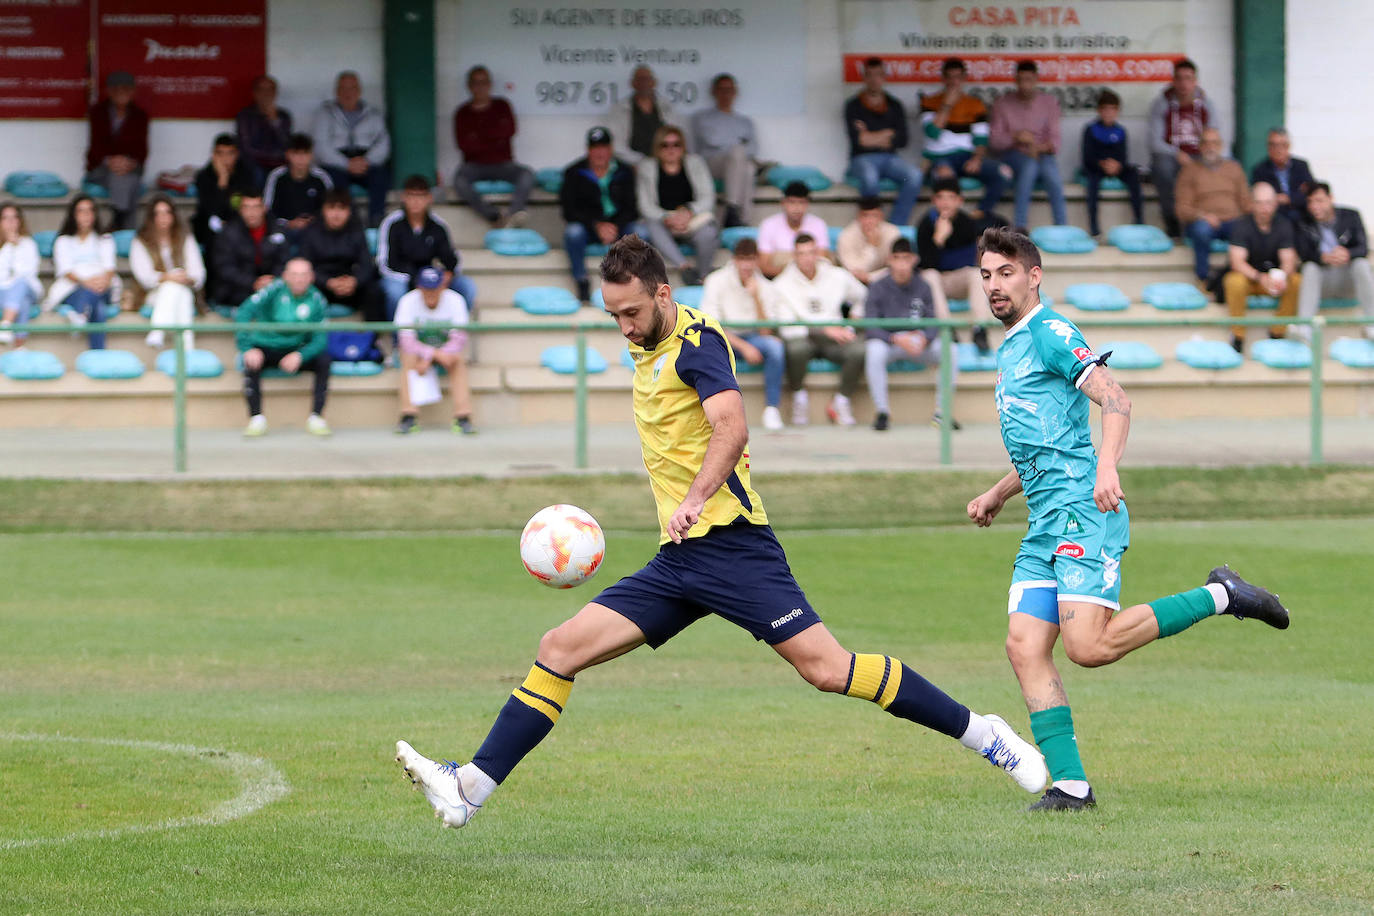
(430,303)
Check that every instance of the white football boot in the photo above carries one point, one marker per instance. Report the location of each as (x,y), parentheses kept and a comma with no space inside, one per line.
(1008,750)
(442,784)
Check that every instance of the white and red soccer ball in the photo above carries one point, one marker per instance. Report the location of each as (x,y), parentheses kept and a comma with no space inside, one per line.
(562,546)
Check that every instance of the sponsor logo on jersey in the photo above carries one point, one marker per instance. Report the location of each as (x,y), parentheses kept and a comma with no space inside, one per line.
(303,311)
(1069,549)
(1072,525)
(1023,368)
(1084,354)
(658,365)
(1073,578)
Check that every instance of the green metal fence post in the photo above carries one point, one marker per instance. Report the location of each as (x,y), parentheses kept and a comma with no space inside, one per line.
(1318,329)
(179,405)
(946,394)
(580,448)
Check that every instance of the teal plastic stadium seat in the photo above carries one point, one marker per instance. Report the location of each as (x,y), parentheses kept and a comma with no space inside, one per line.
(123,238)
(780,176)
(1139,239)
(355,368)
(597,250)
(1282,354)
(1220,246)
(1355,352)
(550,180)
(516,242)
(905,365)
(358,191)
(598,300)
(44,240)
(627,360)
(199,364)
(885,185)
(689,296)
(493,187)
(30,365)
(968,183)
(822,365)
(1207,354)
(563,360)
(91,189)
(1261,303)
(225,311)
(337,310)
(957,306)
(1108,182)
(1130,354)
(546,300)
(833,236)
(970,359)
(1326,304)
(1174,296)
(1063,240)
(1096,297)
(109,364)
(371,235)
(146,311)
(908,233)
(728,237)
(35,184)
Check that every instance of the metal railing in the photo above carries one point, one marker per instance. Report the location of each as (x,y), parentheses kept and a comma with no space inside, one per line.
(580,328)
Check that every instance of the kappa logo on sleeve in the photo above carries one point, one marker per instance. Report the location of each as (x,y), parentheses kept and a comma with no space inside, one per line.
(1061,328)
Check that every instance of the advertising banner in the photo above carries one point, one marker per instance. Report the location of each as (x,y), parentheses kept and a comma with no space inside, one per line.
(43,58)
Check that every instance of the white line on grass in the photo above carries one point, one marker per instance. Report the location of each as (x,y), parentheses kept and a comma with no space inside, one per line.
(261,784)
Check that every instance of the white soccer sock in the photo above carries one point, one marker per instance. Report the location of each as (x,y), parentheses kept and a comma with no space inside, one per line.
(477,785)
(1078,788)
(978,733)
(1219,596)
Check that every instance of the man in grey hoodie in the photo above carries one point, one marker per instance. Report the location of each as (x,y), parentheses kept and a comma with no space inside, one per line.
(353,145)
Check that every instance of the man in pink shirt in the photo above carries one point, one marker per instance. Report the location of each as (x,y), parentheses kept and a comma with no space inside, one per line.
(1025,133)
(778,233)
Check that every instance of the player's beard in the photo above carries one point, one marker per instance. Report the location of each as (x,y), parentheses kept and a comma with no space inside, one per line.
(657,331)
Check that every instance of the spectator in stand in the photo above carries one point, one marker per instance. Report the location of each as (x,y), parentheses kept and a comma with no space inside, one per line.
(778,233)
(676,197)
(956,129)
(353,145)
(294,193)
(118,146)
(345,272)
(264,129)
(1264,262)
(876,123)
(863,245)
(83,258)
(1335,254)
(421,349)
(19,286)
(599,205)
(726,140)
(218,185)
(947,246)
(638,119)
(413,238)
(811,290)
(483,128)
(166,263)
(1287,175)
(248,255)
(1025,133)
(1104,156)
(738,292)
(901,293)
(1177,120)
(292,299)
(1211,196)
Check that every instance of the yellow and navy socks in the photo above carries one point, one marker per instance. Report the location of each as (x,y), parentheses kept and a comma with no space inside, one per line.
(523,722)
(895,687)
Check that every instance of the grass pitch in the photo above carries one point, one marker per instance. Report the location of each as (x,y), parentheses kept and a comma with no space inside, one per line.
(1232,763)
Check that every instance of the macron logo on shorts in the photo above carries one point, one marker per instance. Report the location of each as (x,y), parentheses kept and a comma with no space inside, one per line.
(790,615)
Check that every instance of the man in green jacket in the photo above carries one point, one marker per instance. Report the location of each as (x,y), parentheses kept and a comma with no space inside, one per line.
(293,298)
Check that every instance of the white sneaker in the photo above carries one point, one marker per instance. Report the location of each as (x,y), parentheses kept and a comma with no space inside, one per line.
(442,784)
(801,408)
(74,318)
(1301,332)
(257,426)
(772,419)
(155,339)
(1008,750)
(839,411)
(6,336)
(315,425)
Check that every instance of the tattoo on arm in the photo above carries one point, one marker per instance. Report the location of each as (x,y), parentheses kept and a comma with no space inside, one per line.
(1106,392)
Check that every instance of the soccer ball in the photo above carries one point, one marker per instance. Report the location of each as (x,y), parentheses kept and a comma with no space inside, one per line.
(562,546)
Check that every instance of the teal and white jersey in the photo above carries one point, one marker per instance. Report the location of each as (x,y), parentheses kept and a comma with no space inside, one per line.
(1042,363)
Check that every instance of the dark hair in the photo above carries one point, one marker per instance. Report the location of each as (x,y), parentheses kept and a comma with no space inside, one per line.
(870,203)
(1027,66)
(416,183)
(720,78)
(1184,64)
(249,192)
(473,71)
(746,248)
(871,62)
(1316,186)
(803,238)
(797,189)
(901,245)
(1107,97)
(300,143)
(337,197)
(226,139)
(632,258)
(952,63)
(945,184)
(1010,244)
(69,221)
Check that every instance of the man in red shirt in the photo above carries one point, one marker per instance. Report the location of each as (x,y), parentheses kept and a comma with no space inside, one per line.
(483,127)
(118,146)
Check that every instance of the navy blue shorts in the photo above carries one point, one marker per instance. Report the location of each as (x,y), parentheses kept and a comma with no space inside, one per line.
(739,572)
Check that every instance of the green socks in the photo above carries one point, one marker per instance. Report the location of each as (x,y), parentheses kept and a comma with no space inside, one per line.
(1177,613)
(1053,732)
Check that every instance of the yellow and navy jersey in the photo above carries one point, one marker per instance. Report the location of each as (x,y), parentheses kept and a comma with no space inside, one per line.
(688,366)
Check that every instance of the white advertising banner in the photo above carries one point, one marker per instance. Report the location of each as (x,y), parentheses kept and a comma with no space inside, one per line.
(567,59)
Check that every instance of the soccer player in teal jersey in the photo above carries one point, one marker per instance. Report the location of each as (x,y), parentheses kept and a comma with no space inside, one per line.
(1067,576)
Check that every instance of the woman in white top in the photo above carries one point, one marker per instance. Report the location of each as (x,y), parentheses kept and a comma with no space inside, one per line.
(19,286)
(83,259)
(677,199)
(166,262)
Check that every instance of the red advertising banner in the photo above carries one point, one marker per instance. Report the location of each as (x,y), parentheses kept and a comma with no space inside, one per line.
(187,64)
(43,58)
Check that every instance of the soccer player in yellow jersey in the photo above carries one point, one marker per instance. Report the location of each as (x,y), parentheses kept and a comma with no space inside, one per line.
(717,555)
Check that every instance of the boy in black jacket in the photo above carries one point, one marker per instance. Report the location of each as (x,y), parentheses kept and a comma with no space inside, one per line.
(248,254)
(598,198)
(336,247)
(1104,156)
(413,238)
